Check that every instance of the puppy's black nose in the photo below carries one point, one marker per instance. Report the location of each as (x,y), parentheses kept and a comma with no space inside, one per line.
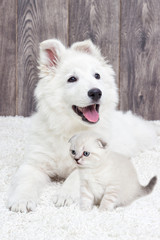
(95,94)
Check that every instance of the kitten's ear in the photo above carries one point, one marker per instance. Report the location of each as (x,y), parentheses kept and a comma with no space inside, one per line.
(101,143)
(87,47)
(51,52)
(72,138)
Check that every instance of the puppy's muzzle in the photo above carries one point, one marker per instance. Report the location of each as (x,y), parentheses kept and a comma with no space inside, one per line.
(95,94)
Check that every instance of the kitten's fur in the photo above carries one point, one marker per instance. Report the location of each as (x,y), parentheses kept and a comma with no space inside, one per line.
(107,178)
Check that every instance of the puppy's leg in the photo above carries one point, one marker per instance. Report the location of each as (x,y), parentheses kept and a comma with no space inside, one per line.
(25,188)
(86,198)
(109,199)
(69,192)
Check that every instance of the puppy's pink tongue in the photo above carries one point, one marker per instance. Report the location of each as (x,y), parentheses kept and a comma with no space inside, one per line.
(91,114)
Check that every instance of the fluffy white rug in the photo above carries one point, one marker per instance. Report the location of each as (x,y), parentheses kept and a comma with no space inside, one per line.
(140,221)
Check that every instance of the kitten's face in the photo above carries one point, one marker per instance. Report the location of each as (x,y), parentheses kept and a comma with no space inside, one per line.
(86,150)
(84,157)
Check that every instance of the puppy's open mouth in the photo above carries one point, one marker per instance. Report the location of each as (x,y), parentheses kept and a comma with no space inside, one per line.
(88,114)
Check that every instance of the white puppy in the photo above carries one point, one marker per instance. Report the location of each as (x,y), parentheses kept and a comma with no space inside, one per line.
(106,178)
(76,91)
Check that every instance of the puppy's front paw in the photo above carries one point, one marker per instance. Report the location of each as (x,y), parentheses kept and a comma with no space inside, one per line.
(69,191)
(62,199)
(65,197)
(22,206)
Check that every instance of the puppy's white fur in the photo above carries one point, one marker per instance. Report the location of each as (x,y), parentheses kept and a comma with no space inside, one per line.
(55,121)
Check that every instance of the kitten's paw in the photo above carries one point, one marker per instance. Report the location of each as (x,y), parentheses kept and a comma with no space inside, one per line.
(86,207)
(22,206)
(108,207)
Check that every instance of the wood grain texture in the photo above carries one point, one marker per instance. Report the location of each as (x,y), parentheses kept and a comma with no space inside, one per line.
(128,32)
(38,20)
(140,58)
(99,21)
(7,58)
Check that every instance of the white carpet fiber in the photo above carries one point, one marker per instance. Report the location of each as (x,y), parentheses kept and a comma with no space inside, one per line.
(139,221)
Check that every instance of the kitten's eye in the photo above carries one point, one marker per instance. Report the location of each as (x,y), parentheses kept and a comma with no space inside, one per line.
(72,79)
(73,152)
(86,154)
(97,76)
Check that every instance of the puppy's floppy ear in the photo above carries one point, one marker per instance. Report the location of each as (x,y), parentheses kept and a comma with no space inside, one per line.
(86,46)
(101,143)
(50,53)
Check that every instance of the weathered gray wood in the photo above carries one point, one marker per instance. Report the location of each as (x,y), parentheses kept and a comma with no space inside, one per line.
(136,22)
(8,58)
(99,21)
(140,58)
(38,20)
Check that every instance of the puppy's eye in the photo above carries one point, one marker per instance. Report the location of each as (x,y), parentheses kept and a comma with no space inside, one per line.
(86,154)
(72,79)
(73,152)
(97,76)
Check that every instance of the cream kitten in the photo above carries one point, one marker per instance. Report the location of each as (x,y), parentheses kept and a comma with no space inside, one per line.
(107,178)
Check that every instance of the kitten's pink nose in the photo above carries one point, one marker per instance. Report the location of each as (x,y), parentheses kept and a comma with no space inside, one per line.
(77,159)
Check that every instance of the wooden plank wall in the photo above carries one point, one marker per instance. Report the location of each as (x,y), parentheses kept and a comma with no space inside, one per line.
(140,58)
(7,58)
(128,32)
